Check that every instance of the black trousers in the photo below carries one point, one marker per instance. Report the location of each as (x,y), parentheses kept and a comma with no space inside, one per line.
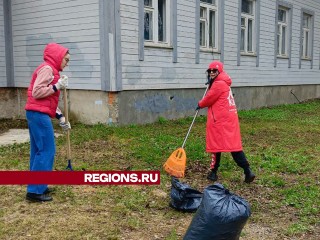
(238,157)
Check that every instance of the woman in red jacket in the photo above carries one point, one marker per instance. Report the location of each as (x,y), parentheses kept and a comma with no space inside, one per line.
(222,130)
(41,106)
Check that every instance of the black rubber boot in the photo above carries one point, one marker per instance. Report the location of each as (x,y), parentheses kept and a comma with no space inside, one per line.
(249,175)
(38,197)
(213,175)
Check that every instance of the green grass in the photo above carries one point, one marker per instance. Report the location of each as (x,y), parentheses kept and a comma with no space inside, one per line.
(281,143)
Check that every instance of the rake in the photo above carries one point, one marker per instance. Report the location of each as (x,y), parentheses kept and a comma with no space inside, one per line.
(66,115)
(176,163)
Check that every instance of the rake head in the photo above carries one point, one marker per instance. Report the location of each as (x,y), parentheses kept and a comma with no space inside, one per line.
(176,163)
(69,167)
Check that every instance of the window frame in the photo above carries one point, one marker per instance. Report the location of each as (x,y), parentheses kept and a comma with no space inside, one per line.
(283,4)
(168,22)
(306,51)
(309,58)
(247,17)
(208,8)
(280,26)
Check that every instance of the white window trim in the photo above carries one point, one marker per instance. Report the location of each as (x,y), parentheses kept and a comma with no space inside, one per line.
(155,42)
(247,17)
(286,25)
(307,55)
(214,8)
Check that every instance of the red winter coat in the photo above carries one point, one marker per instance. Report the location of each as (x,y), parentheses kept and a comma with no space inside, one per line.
(222,131)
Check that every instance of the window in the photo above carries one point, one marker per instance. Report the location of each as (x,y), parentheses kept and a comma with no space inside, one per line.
(282,33)
(208,24)
(156,21)
(247,26)
(306,36)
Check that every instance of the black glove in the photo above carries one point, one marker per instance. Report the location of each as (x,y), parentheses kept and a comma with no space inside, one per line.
(208,80)
(198,108)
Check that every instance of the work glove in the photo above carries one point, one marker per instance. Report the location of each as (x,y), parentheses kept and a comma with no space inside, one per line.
(64,125)
(208,80)
(62,82)
(198,108)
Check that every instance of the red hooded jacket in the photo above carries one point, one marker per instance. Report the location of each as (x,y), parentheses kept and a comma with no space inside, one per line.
(53,56)
(222,131)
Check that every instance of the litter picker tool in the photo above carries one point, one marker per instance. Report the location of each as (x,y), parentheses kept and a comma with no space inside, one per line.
(176,163)
(65,98)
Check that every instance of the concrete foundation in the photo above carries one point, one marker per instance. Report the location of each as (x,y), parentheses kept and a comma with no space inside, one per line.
(12,102)
(147,106)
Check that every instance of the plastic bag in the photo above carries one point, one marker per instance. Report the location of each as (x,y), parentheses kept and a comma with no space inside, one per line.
(183,197)
(221,216)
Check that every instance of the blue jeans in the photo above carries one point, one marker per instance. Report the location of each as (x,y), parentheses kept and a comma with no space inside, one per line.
(42,146)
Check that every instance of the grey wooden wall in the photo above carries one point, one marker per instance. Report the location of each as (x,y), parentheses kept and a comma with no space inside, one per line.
(158,71)
(74,24)
(3,78)
(247,74)
(79,25)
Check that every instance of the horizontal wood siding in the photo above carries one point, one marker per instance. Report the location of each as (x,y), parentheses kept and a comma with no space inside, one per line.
(158,71)
(247,74)
(3,76)
(73,23)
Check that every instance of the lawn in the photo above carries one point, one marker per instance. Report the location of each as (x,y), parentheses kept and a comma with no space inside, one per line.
(282,144)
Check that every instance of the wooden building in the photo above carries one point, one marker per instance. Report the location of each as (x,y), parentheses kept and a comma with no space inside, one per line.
(134,61)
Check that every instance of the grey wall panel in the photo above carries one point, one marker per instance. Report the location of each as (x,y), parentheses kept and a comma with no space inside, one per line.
(3,76)
(248,74)
(166,74)
(110,44)
(74,24)
(157,71)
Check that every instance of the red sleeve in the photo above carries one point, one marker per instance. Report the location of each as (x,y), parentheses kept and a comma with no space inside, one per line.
(212,95)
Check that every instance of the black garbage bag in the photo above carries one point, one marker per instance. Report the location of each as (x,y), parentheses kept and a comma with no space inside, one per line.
(221,216)
(183,197)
